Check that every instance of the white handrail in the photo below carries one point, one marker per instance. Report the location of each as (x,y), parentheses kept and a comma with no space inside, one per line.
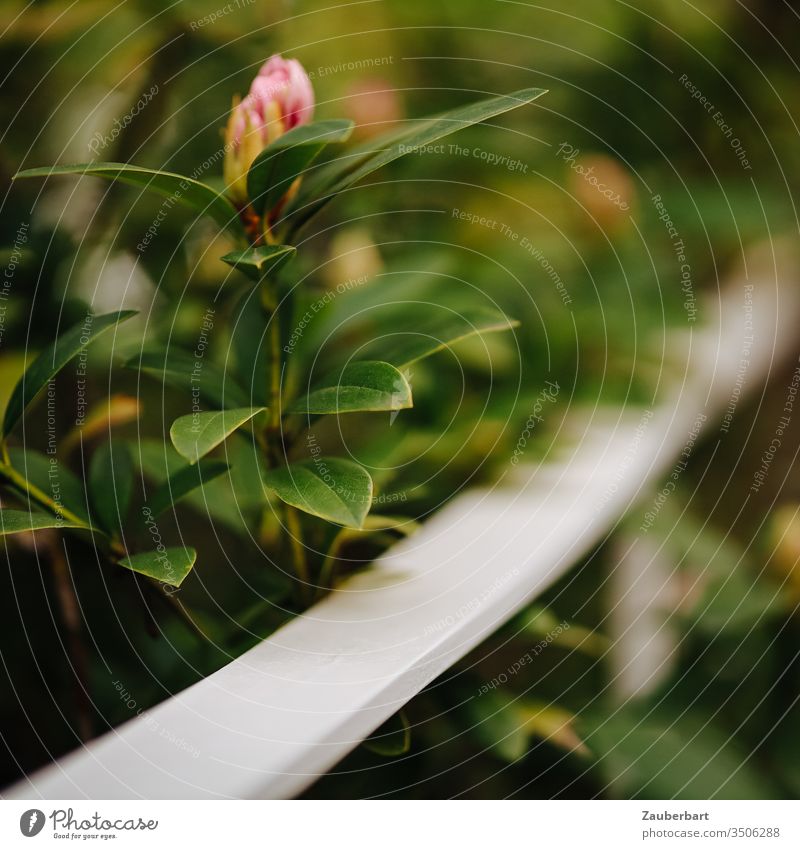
(275,719)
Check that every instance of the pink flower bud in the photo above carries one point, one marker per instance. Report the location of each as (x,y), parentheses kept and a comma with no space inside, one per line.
(280,98)
(283,81)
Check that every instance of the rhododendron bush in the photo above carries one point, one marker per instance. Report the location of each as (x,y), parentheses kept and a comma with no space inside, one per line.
(253,416)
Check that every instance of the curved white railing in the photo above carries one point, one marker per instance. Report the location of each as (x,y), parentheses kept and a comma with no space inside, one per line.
(275,719)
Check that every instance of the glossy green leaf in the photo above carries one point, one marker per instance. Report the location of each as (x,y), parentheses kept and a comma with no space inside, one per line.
(169,565)
(183,371)
(334,489)
(198,433)
(277,166)
(363,160)
(53,358)
(184,481)
(421,330)
(359,387)
(51,477)
(256,263)
(184,191)
(111,484)
(20,521)
(393,738)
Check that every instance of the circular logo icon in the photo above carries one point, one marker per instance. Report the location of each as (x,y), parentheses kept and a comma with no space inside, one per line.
(31,822)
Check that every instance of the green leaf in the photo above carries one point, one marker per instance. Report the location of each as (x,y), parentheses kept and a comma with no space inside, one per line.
(393,738)
(422,330)
(337,490)
(170,565)
(53,358)
(184,191)
(359,387)
(185,481)
(111,484)
(50,476)
(363,160)
(198,433)
(183,371)
(277,166)
(20,521)
(256,263)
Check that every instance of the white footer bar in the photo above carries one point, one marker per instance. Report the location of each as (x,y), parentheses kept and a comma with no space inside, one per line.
(573,824)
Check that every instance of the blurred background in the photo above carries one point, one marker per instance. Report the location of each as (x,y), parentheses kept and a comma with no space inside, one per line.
(607,217)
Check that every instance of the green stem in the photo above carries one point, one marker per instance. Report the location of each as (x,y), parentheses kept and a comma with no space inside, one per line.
(20,482)
(272,433)
(275,374)
(380,524)
(183,614)
(328,569)
(295,530)
(273,437)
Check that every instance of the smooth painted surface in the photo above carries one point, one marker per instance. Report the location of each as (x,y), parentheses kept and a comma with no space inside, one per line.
(285,712)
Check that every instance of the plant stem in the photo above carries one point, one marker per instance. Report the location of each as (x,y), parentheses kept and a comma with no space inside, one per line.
(21,483)
(273,437)
(328,569)
(183,614)
(275,374)
(272,434)
(295,530)
(71,617)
